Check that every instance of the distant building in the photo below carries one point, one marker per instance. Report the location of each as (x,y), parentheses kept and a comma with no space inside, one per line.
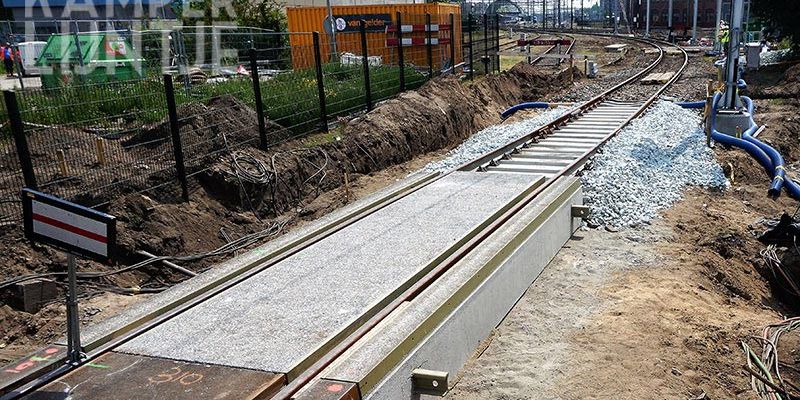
(682,13)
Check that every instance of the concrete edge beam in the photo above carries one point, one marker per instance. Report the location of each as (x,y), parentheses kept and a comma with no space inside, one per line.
(467,302)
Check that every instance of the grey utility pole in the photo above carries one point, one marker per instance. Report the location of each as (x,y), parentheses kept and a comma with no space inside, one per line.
(544,14)
(332,24)
(694,23)
(717,44)
(731,100)
(647,20)
(669,15)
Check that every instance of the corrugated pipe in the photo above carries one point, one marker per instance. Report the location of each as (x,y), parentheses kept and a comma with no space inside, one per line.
(779,173)
(768,157)
(523,106)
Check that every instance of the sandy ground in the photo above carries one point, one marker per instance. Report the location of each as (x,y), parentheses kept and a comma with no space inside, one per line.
(626,315)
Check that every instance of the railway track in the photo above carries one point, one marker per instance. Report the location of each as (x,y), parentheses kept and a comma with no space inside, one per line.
(553,152)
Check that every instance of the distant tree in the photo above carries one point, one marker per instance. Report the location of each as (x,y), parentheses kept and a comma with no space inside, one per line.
(780,18)
(265,14)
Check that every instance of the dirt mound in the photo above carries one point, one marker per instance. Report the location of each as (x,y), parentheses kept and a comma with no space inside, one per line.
(782,132)
(439,115)
(205,128)
(775,81)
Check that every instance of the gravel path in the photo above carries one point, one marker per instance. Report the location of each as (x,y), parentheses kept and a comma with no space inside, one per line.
(646,167)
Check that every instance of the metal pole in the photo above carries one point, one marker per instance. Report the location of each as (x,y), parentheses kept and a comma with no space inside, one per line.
(323,112)
(485,44)
(558,24)
(497,42)
(365,62)
(669,15)
(746,21)
(694,23)
(177,146)
(731,100)
(429,44)
(452,44)
(21,142)
(717,44)
(400,59)
(262,128)
(471,58)
(571,14)
(647,20)
(73,324)
(614,15)
(544,14)
(332,27)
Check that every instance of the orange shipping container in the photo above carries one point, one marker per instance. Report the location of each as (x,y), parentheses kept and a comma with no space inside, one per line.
(381,33)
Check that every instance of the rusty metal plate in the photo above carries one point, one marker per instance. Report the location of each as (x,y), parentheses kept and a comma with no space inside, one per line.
(118,376)
(325,389)
(28,368)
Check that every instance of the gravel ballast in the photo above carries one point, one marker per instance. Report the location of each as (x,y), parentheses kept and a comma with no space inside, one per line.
(646,167)
(492,138)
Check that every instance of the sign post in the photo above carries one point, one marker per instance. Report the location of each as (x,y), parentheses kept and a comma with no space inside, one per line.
(73,323)
(78,231)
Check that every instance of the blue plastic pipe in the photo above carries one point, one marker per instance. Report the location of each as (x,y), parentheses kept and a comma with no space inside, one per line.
(691,104)
(767,156)
(779,173)
(523,106)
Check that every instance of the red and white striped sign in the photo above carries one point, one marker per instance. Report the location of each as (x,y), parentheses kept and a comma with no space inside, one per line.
(418,28)
(392,42)
(70,226)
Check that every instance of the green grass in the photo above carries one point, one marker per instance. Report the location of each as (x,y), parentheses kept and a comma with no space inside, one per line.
(290,99)
(506,62)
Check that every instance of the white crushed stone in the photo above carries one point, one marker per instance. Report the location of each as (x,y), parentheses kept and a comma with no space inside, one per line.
(774,56)
(492,138)
(646,167)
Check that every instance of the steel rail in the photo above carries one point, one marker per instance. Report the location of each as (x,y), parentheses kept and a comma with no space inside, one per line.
(315,369)
(572,113)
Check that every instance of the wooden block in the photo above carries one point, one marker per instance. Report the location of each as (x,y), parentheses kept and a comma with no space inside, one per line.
(31,295)
(62,162)
(100,145)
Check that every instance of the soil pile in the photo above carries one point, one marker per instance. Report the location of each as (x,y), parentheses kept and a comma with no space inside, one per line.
(775,81)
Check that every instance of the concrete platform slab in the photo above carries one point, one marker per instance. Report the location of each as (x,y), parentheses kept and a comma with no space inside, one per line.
(96,334)
(281,319)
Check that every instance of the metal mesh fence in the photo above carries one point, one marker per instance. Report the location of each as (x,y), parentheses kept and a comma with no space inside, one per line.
(93,142)
(481,38)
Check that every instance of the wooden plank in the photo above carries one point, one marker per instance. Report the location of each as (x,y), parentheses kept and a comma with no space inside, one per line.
(657,78)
